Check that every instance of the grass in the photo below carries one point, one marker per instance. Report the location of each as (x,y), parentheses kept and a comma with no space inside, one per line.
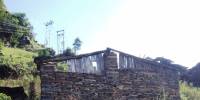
(188,92)
(23,63)
(20,60)
(25,83)
(33,46)
(18,55)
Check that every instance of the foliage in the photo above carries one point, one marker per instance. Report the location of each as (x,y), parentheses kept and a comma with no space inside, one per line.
(15,38)
(25,83)
(68,52)
(22,19)
(188,92)
(13,26)
(4,97)
(46,52)
(77,45)
(19,60)
(62,66)
(2,6)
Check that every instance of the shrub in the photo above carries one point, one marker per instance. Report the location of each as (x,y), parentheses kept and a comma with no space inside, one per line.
(46,52)
(4,97)
(188,92)
(62,66)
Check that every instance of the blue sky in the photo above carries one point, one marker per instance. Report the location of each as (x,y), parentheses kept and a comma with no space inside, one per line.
(152,28)
(79,18)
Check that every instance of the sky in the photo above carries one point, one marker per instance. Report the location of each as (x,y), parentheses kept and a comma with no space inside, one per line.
(154,28)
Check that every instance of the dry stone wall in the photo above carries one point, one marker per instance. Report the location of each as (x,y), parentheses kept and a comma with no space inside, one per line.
(147,81)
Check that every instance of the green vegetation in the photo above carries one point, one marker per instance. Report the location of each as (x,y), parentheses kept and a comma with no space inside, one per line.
(16,30)
(2,6)
(4,97)
(62,66)
(25,83)
(18,50)
(19,60)
(47,52)
(22,62)
(19,55)
(77,45)
(188,92)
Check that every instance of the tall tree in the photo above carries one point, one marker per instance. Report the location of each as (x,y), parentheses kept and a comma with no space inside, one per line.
(68,52)
(77,45)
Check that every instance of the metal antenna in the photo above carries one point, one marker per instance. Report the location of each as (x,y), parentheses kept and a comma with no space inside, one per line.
(60,41)
(48,31)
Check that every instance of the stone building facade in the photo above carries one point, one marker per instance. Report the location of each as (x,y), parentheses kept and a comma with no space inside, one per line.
(117,76)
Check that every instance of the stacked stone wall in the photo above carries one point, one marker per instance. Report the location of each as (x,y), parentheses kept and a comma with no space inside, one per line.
(147,81)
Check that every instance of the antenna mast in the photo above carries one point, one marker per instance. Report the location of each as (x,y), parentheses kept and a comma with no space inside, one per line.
(47,34)
(60,41)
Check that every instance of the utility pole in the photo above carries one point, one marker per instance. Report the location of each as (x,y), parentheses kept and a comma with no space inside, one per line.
(47,34)
(60,41)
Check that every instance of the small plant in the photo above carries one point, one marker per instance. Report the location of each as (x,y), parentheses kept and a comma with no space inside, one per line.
(62,66)
(4,97)
(46,52)
(188,92)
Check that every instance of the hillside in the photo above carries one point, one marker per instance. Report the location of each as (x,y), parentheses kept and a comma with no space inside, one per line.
(19,60)
(18,49)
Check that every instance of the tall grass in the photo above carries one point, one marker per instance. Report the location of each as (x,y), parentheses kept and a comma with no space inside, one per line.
(23,63)
(188,92)
(20,60)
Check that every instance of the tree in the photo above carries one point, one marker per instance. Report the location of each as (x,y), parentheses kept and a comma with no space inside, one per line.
(22,19)
(23,22)
(77,45)
(68,52)
(48,52)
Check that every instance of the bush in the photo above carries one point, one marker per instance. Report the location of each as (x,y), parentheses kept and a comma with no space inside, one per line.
(46,52)
(68,52)
(19,60)
(188,92)
(62,66)
(4,97)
